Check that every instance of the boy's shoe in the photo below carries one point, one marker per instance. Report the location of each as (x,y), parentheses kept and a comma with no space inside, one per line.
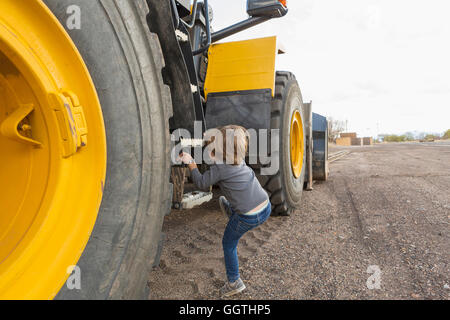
(225,206)
(232,288)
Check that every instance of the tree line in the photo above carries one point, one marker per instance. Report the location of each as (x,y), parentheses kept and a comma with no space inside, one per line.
(336,127)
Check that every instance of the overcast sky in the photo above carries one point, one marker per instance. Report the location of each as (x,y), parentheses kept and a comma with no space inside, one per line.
(383,65)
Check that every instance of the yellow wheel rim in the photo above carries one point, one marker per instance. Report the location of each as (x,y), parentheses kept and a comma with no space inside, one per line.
(296,144)
(53,152)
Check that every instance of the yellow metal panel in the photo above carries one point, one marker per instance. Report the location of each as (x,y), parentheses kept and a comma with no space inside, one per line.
(241,65)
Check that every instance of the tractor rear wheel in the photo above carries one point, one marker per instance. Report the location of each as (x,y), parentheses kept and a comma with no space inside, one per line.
(285,188)
(125,62)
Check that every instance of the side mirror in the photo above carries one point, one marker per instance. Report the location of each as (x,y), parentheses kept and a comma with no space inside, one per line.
(268,8)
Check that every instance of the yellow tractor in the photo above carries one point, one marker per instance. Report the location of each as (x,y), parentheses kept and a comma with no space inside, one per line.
(90,93)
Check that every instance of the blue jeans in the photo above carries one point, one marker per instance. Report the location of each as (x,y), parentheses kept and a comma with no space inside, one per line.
(237,226)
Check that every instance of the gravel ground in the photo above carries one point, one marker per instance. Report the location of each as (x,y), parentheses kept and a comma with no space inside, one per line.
(385,207)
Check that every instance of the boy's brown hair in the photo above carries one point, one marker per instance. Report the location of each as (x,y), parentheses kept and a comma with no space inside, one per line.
(228,143)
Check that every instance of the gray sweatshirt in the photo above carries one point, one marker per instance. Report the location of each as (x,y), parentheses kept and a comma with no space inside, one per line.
(238,184)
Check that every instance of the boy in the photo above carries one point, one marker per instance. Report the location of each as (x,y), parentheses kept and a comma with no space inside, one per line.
(245,203)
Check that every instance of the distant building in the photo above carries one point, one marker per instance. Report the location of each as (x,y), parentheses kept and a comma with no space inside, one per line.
(351,139)
(348,135)
(346,141)
(367,141)
(357,141)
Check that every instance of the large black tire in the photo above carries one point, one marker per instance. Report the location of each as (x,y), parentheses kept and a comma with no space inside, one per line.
(284,189)
(125,62)
(321,167)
